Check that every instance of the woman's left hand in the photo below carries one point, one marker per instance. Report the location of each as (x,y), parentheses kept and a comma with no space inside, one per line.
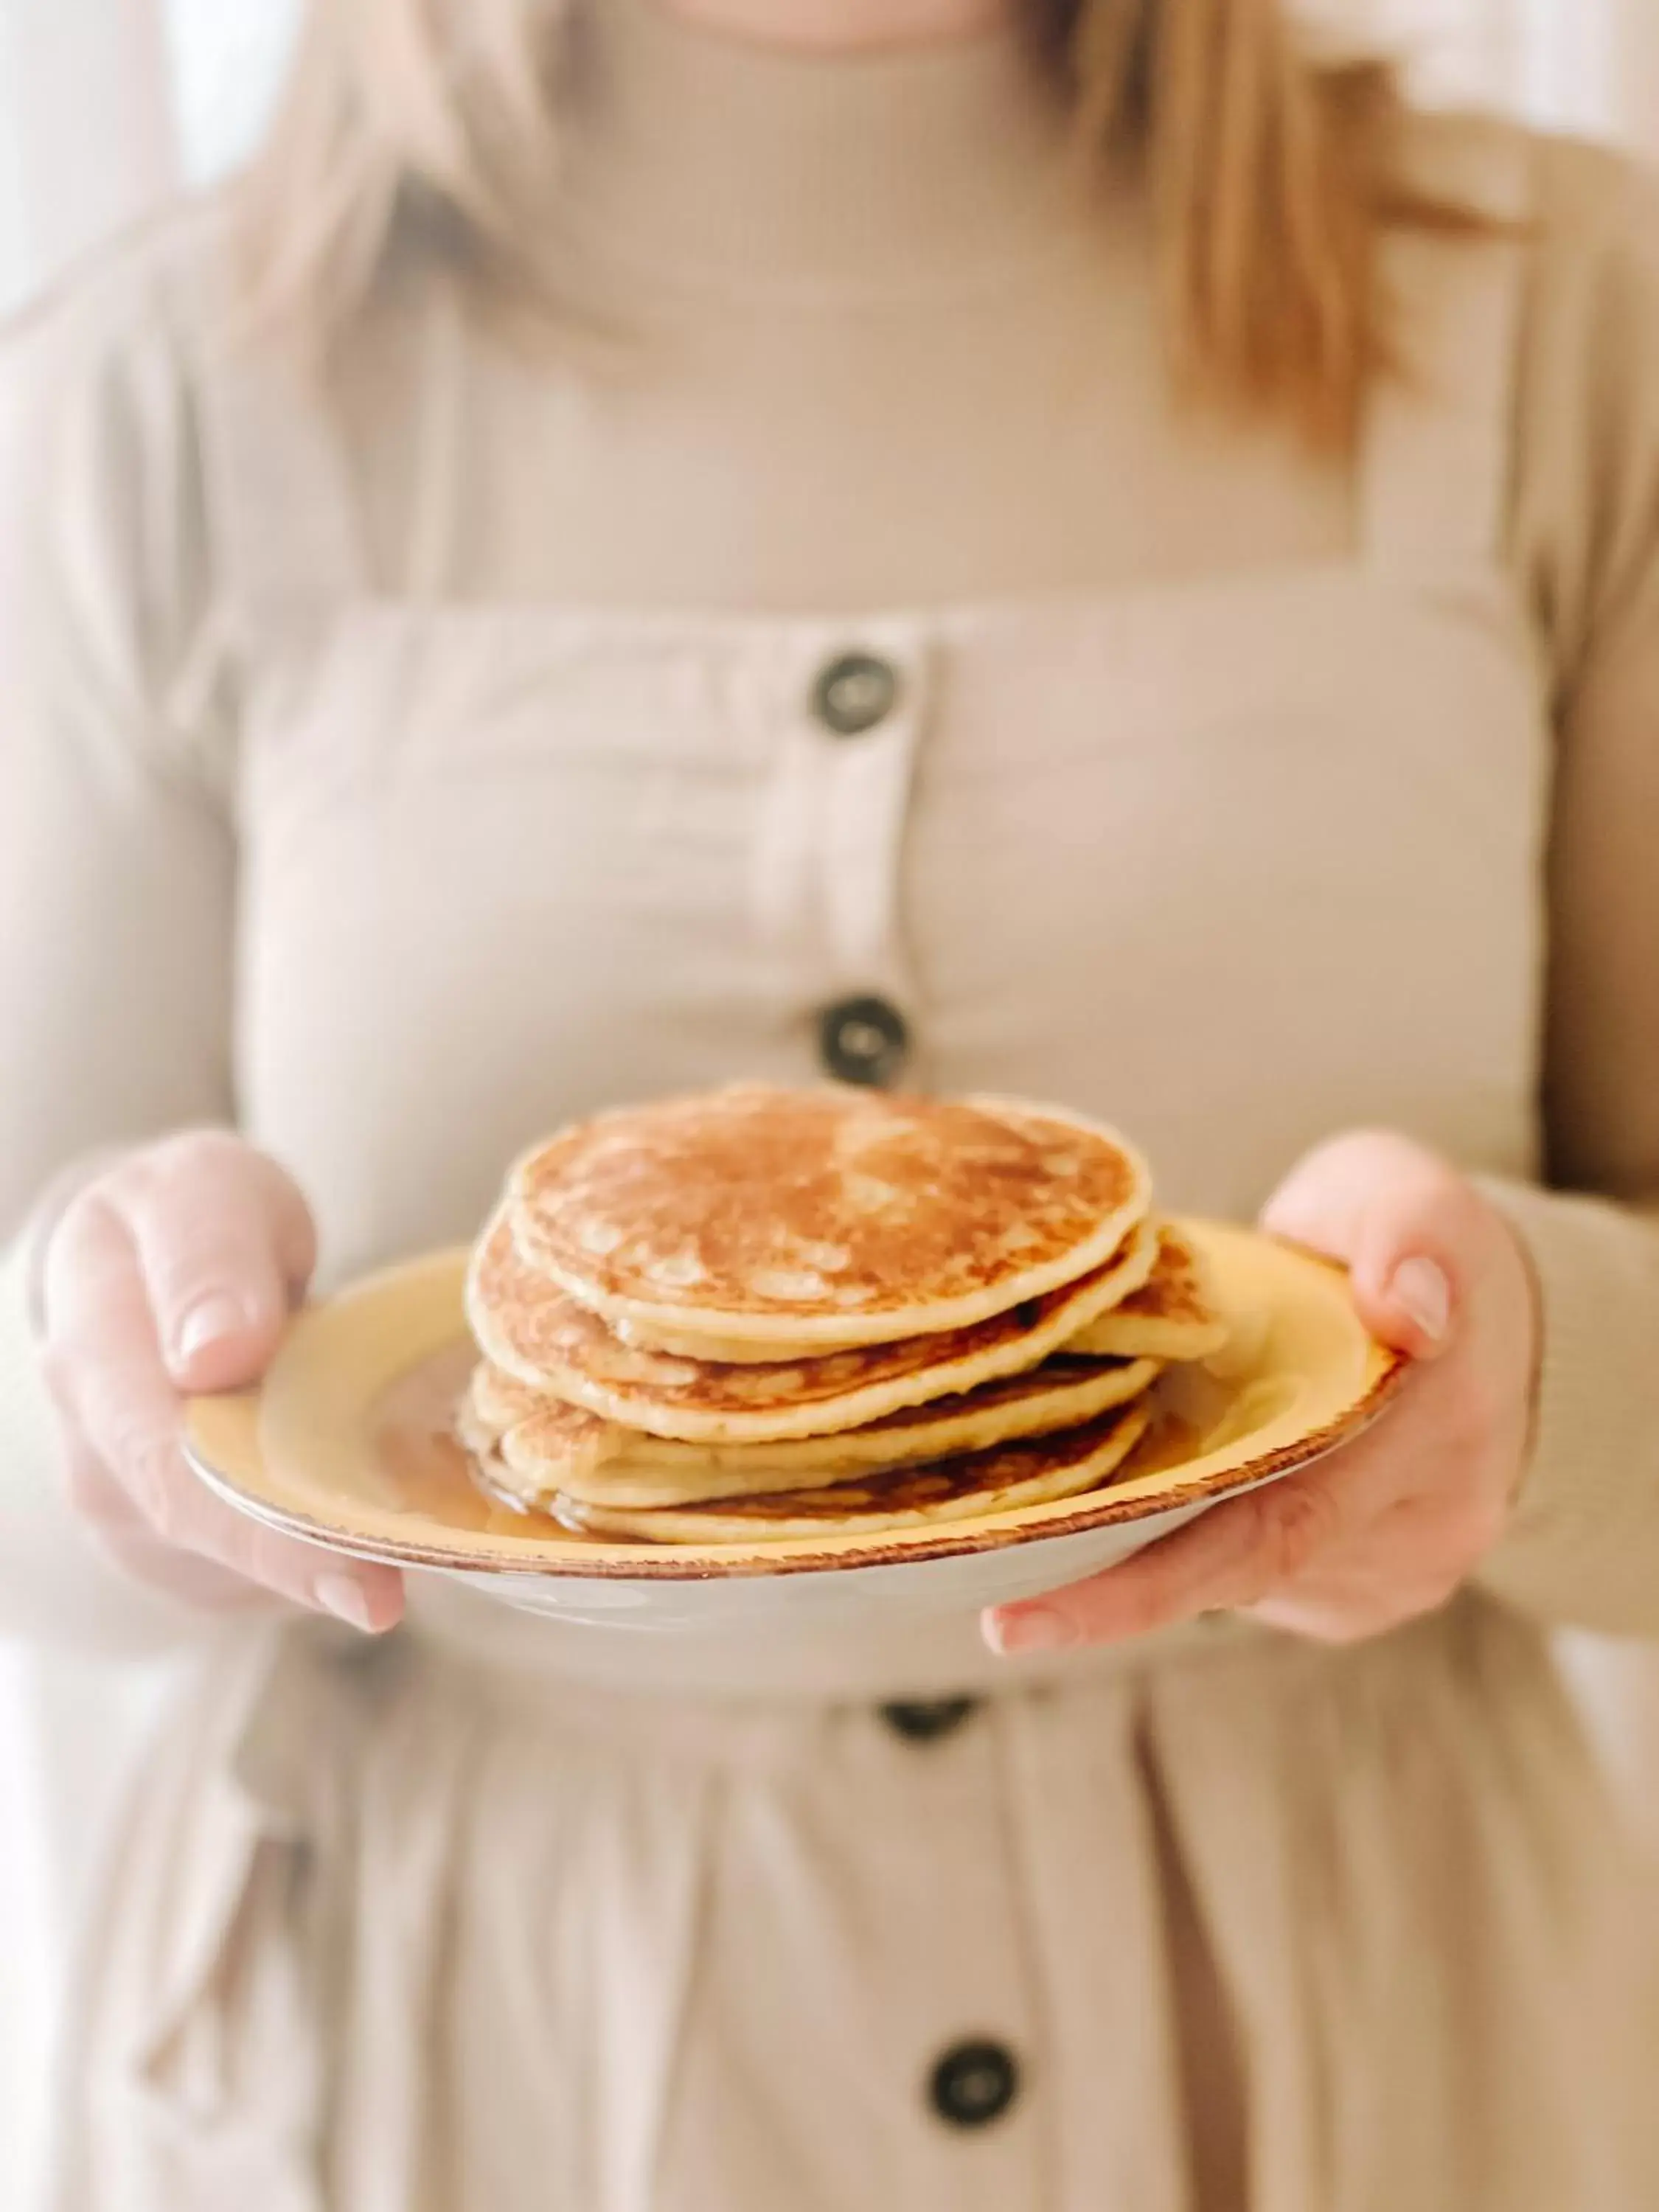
(1389,1528)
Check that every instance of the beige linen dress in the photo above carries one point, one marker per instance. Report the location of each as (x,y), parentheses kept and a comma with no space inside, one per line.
(502,1914)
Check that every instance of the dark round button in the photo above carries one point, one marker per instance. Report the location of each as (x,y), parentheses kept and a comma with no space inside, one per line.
(974,2083)
(926,1724)
(854,693)
(864,1041)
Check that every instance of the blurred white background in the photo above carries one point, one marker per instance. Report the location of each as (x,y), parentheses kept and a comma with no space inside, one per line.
(106,107)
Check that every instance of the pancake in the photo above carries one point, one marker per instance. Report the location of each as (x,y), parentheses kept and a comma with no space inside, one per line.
(1172,1316)
(532,1330)
(489,1474)
(499,1401)
(975,1485)
(557,1448)
(806,1220)
(478,1435)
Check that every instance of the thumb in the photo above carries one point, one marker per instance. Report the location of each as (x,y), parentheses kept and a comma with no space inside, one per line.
(1404,1224)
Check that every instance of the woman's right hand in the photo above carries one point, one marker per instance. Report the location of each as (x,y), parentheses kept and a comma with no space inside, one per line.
(173,1273)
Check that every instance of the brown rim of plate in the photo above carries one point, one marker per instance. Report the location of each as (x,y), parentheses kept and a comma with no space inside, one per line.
(730,1562)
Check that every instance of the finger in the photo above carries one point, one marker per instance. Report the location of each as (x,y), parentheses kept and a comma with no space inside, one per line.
(217,1566)
(1409,1562)
(1358,1599)
(102,1357)
(1234,1555)
(1413,1233)
(100,1503)
(194,1525)
(105,1363)
(224,1243)
(1323,1203)
(129,1419)
(1364,1596)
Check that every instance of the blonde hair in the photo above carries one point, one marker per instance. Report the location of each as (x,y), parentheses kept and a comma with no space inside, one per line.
(1273,178)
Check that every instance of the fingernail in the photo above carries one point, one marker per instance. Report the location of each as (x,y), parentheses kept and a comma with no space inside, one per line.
(345,1600)
(1033,1628)
(1421,1291)
(209,1322)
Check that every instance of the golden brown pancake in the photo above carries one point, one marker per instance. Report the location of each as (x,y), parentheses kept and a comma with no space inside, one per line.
(494,1403)
(761,1315)
(530,1328)
(554,1448)
(480,1424)
(807,1219)
(499,1401)
(977,1484)
(1172,1316)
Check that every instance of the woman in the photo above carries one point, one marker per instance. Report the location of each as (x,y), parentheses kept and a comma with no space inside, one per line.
(1058,548)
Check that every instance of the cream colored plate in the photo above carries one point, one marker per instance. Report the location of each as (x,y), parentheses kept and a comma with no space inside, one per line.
(347,1444)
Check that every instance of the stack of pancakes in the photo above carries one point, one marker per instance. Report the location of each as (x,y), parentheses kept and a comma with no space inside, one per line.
(760,1314)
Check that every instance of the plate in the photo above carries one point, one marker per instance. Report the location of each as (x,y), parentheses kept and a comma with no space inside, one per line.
(347,1445)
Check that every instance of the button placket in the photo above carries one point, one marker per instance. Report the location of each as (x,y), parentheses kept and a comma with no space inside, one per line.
(939,1877)
(825,872)
(869,700)
(867,793)
(839,785)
